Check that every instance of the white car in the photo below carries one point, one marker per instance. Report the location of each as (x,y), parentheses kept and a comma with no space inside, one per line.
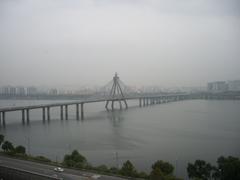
(58,169)
(96,176)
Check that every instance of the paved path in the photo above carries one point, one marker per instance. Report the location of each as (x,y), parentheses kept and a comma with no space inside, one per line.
(68,174)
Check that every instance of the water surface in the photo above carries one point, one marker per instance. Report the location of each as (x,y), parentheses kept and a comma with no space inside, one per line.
(177,132)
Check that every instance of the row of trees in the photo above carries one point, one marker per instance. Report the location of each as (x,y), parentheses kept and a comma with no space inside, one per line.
(228,168)
(160,170)
(9,148)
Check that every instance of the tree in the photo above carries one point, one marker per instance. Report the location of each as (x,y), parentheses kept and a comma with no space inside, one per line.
(165,167)
(156,174)
(128,169)
(228,168)
(1,138)
(77,157)
(102,168)
(7,146)
(200,169)
(75,160)
(20,149)
(114,170)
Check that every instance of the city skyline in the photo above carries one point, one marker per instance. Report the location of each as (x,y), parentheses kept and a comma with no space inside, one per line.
(162,43)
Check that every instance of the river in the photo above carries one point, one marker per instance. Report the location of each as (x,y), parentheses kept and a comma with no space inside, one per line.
(177,132)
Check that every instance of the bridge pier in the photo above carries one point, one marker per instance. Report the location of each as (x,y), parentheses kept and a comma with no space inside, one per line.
(28,119)
(120,104)
(126,105)
(48,113)
(106,105)
(140,102)
(43,114)
(23,116)
(77,111)
(66,112)
(61,112)
(112,105)
(3,119)
(82,111)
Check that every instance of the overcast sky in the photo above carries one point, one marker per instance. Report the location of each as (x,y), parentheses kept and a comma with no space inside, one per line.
(148,42)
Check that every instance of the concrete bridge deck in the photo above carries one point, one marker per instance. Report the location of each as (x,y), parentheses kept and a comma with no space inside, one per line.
(144,100)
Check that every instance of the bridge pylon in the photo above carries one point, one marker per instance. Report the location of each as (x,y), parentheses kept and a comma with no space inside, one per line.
(116,94)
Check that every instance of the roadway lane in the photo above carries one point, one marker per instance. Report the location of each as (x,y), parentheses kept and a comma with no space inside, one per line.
(68,174)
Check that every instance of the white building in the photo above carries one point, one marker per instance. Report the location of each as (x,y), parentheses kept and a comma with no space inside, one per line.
(234,85)
(218,86)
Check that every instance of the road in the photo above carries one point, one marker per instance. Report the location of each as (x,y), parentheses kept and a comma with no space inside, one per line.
(68,174)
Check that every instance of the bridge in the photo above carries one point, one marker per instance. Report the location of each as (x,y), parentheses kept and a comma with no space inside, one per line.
(116,94)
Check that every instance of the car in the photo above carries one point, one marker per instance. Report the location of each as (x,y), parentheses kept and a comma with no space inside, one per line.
(95,176)
(58,169)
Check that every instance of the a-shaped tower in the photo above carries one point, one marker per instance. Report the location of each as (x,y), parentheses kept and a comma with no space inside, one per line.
(116,94)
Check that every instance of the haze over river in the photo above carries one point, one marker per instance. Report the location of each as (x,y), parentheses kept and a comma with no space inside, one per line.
(177,132)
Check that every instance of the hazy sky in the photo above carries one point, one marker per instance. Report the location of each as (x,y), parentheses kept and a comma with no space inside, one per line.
(148,42)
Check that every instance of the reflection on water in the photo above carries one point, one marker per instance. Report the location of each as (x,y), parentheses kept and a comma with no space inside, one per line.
(177,132)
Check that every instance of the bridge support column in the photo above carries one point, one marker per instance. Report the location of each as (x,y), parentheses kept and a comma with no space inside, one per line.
(0,118)
(106,105)
(27,110)
(126,105)
(23,116)
(43,114)
(82,111)
(66,112)
(61,112)
(77,111)
(48,113)
(3,119)
(112,105)
(120,103)
(140,102)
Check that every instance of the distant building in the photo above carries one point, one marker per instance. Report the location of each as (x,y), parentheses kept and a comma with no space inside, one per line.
(218,86)
(234,85)
(12,91)
(31,90)
(6,90)
(53,92)
(21,91)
